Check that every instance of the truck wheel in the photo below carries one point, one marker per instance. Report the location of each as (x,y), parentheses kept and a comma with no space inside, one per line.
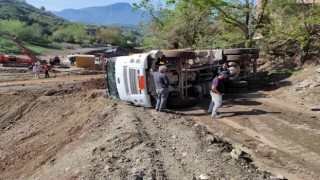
(236,90)
(253,83)
(253,80)
(238,84)
(241,51)
(178,54)
(254,86)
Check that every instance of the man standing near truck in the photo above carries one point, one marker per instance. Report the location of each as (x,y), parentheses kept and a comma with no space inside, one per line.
(224,67)
(162,87)
(46,68)
(36,71)
(216,93)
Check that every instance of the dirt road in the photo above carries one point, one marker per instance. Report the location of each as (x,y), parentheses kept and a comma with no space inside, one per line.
(61,128)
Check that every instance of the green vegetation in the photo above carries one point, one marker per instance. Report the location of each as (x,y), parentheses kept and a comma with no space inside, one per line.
(285,71)
(7,46)
(293,29)
(41,30)
(282,28)
(203,23)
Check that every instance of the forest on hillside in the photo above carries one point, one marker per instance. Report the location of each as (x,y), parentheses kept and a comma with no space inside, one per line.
(40,29)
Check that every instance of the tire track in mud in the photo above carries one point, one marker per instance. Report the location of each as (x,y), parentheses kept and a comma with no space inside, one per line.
(188,149)
(256,141)
(155,156)
(278,132)
(251,133)
(129,152)
(157,135)
(286,144)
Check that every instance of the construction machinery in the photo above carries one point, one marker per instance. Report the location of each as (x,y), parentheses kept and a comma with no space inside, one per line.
(9,60)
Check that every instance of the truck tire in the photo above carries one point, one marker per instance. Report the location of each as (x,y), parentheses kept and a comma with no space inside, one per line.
(242,57)
(241,51)
(253,80)
(254,86)
(236,90)
(178,54)
(237,84)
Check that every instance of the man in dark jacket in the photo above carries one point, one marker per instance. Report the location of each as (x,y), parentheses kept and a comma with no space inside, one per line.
(224,67)
(162,87)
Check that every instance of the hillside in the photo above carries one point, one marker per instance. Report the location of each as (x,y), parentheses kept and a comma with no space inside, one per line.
(119,13)
(22,11)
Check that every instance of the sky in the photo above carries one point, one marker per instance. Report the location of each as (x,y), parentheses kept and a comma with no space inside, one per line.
(58,5)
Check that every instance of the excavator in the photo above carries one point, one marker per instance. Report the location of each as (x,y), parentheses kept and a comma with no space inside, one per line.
(8,60)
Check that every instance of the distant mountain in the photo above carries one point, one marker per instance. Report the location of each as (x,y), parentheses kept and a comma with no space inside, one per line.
(119,13)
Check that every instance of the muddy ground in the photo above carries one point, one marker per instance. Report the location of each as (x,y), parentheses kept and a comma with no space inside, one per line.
(62,128)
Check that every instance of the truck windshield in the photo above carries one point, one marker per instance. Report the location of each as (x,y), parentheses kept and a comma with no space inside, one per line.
(111,77)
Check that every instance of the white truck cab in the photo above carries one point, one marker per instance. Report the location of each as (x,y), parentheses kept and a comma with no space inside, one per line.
(129,77)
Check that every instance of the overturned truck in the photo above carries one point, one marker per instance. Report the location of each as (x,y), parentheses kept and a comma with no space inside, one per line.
(190,73)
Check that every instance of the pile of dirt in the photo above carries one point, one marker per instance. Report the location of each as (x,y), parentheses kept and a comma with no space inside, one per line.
(94,84)
(74,88)
(96,67)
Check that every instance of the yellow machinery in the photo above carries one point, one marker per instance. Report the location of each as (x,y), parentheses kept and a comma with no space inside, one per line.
(82,61)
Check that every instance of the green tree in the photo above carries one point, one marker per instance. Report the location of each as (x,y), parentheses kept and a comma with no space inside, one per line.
(112,35)
(12,27)
(154,30)
(74,33)
(181,27)
(187,25)
(293,29)
(236,16)
(205,23)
